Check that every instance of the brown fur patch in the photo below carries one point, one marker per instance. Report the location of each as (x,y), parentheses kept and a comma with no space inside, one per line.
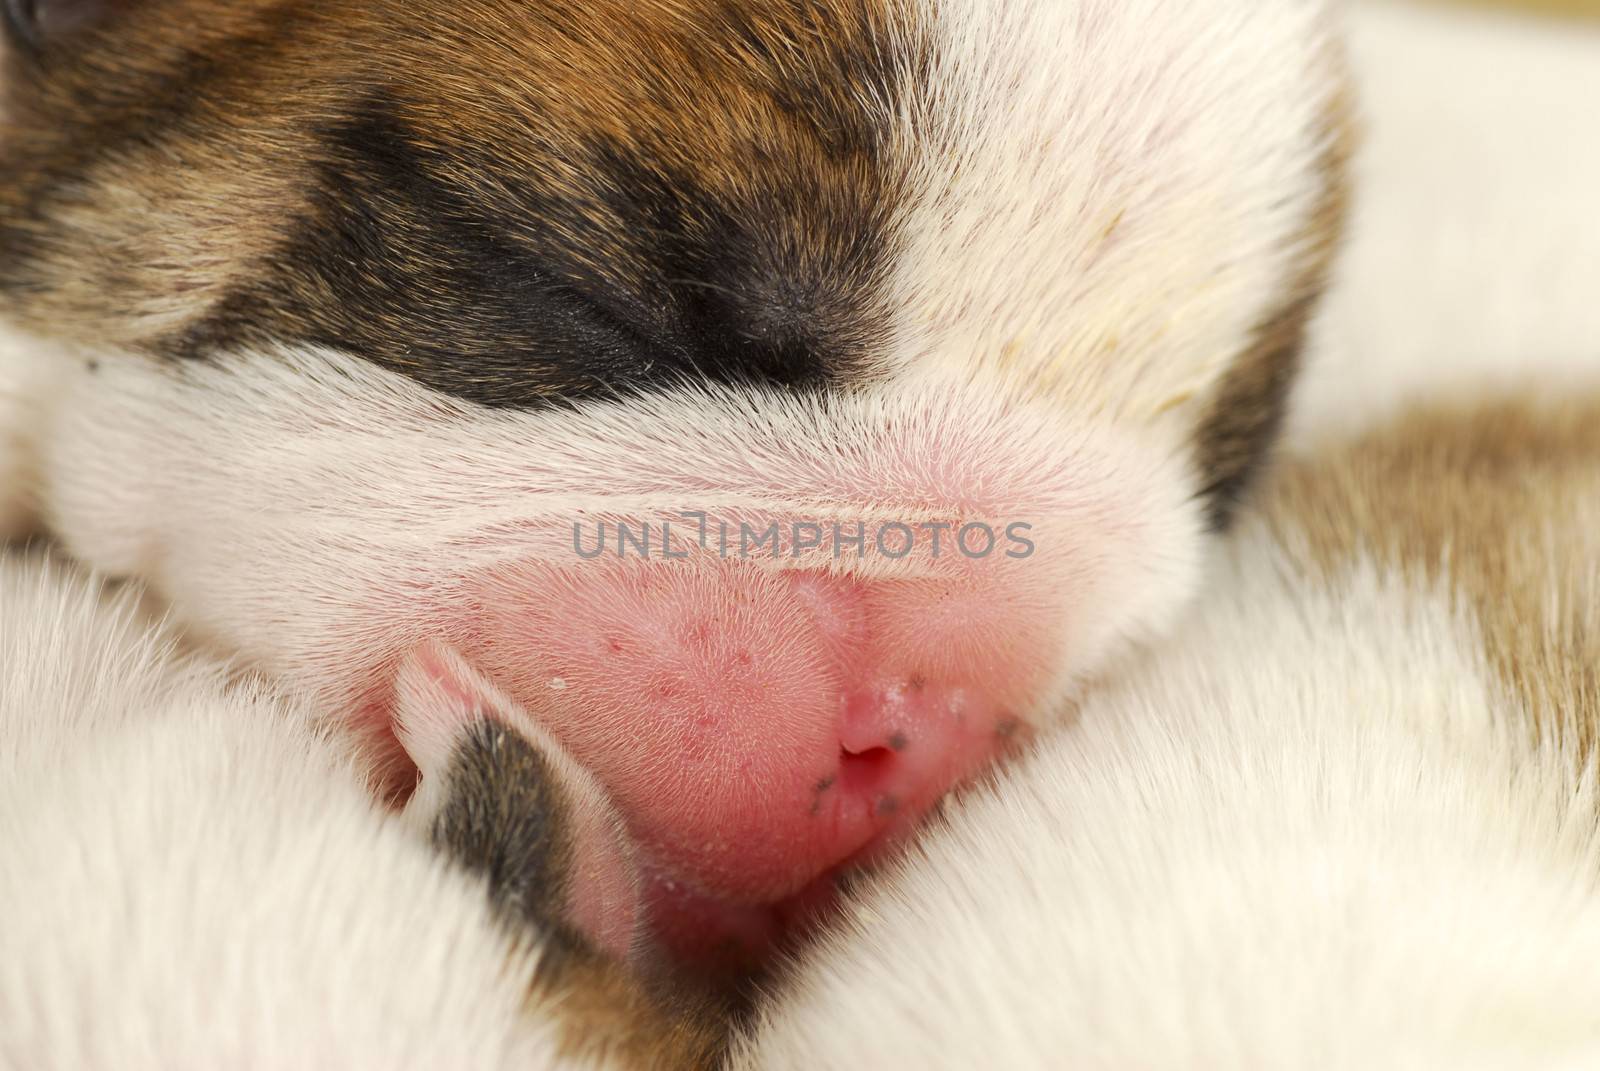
(506,200)
(1499,506)
(608,1014)
(1236,433)
(1583,9)
(117,219)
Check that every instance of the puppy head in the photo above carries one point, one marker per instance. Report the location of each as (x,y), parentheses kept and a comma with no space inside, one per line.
(788,399)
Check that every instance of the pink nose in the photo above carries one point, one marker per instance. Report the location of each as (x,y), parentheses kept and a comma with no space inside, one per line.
(900,749)
(759,728)
(902,746)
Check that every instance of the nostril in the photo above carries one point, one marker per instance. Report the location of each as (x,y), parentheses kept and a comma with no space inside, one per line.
(863,772)
(901,745)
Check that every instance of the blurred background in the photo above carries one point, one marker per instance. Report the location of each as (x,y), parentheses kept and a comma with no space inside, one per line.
(1551,7)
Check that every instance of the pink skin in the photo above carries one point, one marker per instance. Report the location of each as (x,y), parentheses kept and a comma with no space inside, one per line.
(760,728)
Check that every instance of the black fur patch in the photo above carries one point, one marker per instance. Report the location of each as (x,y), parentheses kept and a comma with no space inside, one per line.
(452,266)
(505,818)
(1236,439)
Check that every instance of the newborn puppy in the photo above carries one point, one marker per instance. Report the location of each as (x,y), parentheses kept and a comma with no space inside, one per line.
(786,401)
(195,879)
(1349,819)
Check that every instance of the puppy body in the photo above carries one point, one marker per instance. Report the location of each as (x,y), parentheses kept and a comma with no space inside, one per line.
(196,879)
(1347,819)
(446,289)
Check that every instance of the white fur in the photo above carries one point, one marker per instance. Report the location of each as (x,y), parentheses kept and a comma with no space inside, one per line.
(1112,193)
(192,879)
(1309,833)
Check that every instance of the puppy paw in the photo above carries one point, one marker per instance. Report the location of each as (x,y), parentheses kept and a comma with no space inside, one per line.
(503,799)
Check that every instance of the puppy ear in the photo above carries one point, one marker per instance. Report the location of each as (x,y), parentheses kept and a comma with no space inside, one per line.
(36,24)
(503,798)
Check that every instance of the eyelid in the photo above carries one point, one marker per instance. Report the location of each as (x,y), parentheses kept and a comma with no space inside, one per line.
(21,23)
(35,24)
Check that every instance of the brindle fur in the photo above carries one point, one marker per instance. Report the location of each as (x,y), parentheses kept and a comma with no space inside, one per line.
(508,201)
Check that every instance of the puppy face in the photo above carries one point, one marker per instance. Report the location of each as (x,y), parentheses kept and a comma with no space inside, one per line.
(784,401)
